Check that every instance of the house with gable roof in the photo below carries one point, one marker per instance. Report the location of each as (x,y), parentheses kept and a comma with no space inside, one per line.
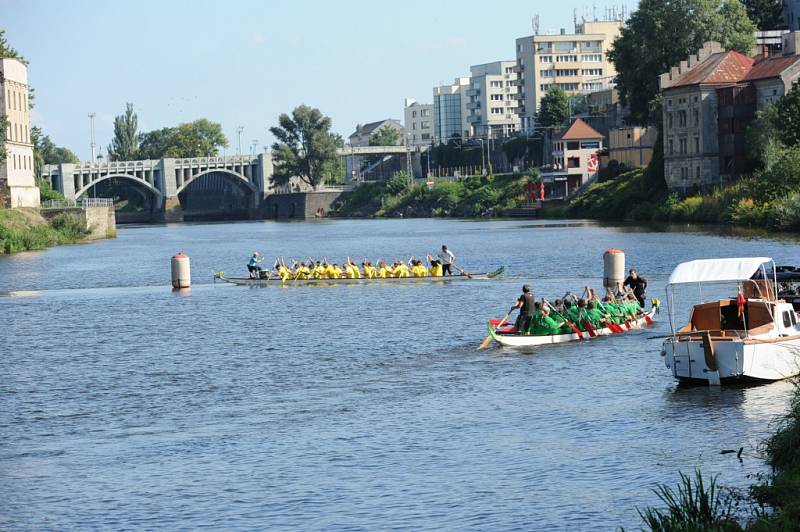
(575,159)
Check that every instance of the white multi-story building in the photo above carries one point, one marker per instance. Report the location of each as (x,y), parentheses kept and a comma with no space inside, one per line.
(450,111)
(492,97)
(17,184)
(577,63)
(418,122)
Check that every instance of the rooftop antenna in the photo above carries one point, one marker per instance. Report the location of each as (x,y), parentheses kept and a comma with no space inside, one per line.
(91,132)
(594,12)
(575,17)
(535,24)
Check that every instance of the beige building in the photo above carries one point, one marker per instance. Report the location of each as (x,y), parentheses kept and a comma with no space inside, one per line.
(450,111)
(492,104)
(360,137)
(576,159)
(17,184)
(418,122)
(632,146)
(575,62)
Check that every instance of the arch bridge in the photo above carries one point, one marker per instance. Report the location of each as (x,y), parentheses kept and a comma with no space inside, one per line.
(164,179)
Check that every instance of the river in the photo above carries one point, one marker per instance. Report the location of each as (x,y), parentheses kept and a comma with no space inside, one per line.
(126,405)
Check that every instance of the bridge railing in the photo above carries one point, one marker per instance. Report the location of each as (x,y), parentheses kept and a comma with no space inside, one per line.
(81,203)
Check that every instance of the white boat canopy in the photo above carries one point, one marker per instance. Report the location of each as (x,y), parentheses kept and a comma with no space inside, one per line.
(717,270)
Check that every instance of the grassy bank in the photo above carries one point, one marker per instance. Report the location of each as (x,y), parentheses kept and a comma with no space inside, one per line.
(25,229)
(472,196)
(770,506)
(637,196)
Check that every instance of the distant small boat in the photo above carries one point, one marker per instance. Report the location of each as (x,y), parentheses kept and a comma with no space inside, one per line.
(277,281)
(509,336)
(753,336)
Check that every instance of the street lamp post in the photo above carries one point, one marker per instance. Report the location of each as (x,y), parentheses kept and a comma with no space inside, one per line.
(239,145)
(483,161)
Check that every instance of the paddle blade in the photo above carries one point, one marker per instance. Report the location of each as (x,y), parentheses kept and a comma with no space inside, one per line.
(589,329)
(648,319)
(485,343)
(499,271)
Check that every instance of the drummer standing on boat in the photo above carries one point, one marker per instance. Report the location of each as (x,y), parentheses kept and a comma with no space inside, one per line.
(526,305)
(447,259)
(636,283)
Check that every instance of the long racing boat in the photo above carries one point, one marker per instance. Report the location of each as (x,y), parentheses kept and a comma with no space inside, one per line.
(509,337)
(274,280)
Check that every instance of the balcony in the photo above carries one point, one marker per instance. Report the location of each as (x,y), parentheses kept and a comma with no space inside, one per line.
(473,92)
(473,105)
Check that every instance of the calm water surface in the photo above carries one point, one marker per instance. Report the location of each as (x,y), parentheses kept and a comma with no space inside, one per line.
(124,405)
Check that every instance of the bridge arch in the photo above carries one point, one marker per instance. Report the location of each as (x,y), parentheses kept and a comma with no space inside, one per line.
(238,178)
(141,182)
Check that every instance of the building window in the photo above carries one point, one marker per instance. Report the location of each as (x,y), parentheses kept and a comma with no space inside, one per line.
(413,125)
(426,136)
(510,83)
(413,114)
(697,172)
(509,70)
(682,145)
(546,59)
(590,145)
(573,162)
(573,145)
(669,120)
(592,58)
(696,117)
(566,59)
(497,97)
(497,110)
(425,112)
(547,73)
(567,72)
(425,125)
(669,102)
(568,86)
(681,118)
(496,84)
(671,147)
(697,144)
(592,72)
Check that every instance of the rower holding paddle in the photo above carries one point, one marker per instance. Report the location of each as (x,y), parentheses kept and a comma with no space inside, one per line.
(253,265)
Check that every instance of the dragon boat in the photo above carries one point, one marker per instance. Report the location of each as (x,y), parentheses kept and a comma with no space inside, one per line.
(272,279)
(509,336)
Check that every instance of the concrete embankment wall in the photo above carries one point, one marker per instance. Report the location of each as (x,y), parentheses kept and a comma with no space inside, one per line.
(297,205)
(100,221)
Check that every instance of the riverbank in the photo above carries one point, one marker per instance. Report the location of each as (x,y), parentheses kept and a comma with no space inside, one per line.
(473,196)
(773,504)
(26,229)
(639,196)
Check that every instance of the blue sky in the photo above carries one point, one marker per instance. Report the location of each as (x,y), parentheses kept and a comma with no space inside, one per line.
(245,62)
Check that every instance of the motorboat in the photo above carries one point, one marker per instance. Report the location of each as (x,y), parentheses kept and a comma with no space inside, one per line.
(751,336)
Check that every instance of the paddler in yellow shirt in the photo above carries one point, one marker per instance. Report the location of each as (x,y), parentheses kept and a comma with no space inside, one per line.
(418,269)
(383,270)
(353,268)
(369,270)
(400,269)
(436,269)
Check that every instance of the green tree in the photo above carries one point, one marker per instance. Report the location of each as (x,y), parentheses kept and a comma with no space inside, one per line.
(305,146)
(3,131)
(46,152)
(6,51)
(333,170)
(125,143)
(201,138)
(767,14)
(385,136)
(659,35)
(154,144)
(553,108)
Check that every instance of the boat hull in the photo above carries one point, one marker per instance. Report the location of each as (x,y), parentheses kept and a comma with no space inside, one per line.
(521,340)
(754,360)
(277,281)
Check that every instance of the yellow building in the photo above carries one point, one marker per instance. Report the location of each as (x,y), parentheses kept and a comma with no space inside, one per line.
(632,146)
(17,184)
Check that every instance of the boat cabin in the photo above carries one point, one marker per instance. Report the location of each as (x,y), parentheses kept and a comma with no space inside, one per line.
(721,318)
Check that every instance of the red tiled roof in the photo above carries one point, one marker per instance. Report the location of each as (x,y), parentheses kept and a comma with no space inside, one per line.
(579,130)
(717,69)
(771,67)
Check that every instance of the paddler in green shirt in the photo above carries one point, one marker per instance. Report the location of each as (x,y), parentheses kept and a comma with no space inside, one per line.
(544,325)
(596,316)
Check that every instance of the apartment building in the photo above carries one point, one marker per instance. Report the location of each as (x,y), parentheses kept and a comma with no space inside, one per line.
(418,122)
(492,103)
(632,146)
(360,137)
(576,62)
(450,111)
(709,101)
(17,184)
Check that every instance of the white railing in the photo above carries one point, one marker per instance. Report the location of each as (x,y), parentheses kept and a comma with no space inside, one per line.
(81,203)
